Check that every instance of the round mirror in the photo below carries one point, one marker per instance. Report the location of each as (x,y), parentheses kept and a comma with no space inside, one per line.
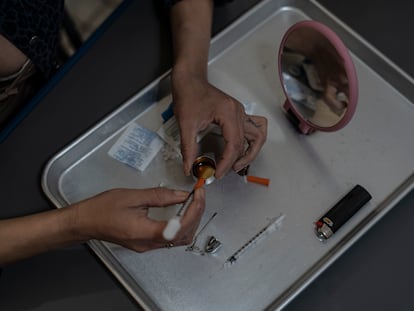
(318,77)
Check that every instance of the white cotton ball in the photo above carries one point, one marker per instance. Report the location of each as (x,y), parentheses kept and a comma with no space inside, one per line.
(173,226)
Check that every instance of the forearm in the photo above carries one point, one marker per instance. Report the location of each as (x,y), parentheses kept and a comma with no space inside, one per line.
(30,235)
(191,32)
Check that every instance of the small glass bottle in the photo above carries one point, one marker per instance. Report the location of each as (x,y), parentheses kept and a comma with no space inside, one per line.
(204,167)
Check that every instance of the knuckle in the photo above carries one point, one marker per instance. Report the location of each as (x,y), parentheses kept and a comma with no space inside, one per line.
(237,145)
(240,146)
(185,147)
(158,193)
(235,150)
(235,105)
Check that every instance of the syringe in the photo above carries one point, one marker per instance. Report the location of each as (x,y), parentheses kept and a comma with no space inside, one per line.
(271,227)
(174,224)
(204,168)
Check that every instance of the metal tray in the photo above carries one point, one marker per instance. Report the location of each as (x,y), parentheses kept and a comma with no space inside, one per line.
(308,173)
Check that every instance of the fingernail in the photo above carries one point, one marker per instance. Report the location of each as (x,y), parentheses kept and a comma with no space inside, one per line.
(242,171)
(180,193)
(186,170)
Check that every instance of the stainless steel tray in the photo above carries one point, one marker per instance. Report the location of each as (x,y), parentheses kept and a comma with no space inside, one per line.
(308,173)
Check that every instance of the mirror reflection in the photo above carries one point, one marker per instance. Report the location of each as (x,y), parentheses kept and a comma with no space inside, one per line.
(314,77)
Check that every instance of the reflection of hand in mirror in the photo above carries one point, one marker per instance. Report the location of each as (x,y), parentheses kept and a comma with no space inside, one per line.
(321,67)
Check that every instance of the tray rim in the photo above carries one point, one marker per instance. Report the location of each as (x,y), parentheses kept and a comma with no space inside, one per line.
(342,246)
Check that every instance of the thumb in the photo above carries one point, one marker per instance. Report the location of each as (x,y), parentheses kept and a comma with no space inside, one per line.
(189,148)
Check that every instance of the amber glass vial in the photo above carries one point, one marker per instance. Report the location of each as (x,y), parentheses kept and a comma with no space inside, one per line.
(204,167)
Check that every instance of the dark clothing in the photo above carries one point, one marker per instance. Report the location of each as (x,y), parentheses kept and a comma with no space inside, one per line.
(33,27)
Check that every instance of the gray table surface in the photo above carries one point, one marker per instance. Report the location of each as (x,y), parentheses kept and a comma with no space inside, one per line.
(375,274)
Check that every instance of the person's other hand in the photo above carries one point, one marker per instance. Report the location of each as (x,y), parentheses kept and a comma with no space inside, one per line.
(197,104)
(121,216)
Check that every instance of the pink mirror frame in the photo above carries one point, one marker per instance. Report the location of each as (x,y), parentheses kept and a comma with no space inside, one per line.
(304,125)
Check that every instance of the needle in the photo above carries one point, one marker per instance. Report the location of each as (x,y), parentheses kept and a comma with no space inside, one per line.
(191,247)
(272,226)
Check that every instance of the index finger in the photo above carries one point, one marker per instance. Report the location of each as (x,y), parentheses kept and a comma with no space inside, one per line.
(233,135)
(189,146)
(154,197)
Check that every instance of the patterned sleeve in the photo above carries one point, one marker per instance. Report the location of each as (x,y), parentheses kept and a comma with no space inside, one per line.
(33,27)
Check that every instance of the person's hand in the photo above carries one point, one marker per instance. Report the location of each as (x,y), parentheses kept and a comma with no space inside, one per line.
(197,104)
(121,216)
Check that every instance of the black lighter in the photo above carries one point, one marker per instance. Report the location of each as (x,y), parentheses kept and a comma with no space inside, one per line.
(329,223)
